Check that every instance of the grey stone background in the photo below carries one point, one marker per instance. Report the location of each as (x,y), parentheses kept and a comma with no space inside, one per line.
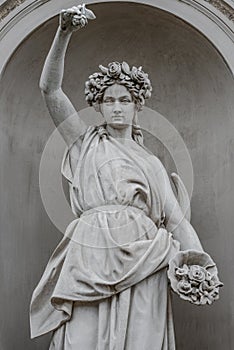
(193,89)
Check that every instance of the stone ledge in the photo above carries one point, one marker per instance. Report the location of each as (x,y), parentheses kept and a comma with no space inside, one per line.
(7,6)
(225,7)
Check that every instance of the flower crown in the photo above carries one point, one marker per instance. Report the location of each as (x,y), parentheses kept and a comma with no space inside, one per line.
(135,80)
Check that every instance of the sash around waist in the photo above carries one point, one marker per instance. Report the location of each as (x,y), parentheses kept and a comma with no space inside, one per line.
(112,209)
(127,224)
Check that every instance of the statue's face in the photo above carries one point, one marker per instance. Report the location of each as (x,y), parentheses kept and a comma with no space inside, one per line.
(118,107)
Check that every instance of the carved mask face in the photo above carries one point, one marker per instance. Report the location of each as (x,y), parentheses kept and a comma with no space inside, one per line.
(118,107)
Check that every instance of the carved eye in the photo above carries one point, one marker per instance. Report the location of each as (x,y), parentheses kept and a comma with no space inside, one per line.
(125,100)
(108,100)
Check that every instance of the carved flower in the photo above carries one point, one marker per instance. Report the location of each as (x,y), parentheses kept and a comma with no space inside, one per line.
(194,283)
(201,284)
(197,273)
(83,21)
(195,299)
(181,271)
(208,276)
(80,20)
(184,287)
(214,294)
(148,93)
(97,83)
(210,297)
(114,69)
(206,286)
(206,299)
(135,80)
(89,96)
(138,75)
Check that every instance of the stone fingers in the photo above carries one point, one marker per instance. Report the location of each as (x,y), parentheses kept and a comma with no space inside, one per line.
(75,17)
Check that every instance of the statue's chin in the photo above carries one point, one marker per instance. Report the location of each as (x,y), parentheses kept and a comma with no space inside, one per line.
(118,123)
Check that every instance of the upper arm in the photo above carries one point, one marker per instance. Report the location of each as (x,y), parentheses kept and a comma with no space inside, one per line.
(175,220)
(173,213)
(64,115)
(70,159)
(171,207)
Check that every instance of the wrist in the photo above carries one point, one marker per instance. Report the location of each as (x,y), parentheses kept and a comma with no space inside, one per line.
(64,33)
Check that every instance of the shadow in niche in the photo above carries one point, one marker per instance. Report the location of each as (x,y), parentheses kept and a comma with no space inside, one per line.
(192,88)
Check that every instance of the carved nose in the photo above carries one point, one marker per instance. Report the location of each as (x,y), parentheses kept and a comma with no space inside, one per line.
(117,108)
(117,111)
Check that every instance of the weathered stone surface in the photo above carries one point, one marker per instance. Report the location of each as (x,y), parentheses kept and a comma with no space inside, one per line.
(7,6)
(193,89)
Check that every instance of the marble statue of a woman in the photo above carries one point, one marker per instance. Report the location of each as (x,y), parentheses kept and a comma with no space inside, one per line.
(106,285)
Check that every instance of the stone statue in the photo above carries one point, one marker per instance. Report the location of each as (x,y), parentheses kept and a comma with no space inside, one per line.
(106,285)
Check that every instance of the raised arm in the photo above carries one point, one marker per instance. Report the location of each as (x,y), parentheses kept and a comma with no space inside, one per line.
(60,107)
(175,220)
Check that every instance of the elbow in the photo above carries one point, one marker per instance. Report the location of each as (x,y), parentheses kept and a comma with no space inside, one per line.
(44,87)
(50,94)
(48,90)
(47,85)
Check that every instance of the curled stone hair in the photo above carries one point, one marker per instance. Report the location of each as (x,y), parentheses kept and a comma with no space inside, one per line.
(134,79)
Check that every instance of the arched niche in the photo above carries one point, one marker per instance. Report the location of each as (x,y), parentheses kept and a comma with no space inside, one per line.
(214,19)
(189,57)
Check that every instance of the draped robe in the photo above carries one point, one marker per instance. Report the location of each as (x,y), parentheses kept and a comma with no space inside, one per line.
(105,286)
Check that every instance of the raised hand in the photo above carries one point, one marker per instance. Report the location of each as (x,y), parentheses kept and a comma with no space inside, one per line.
(75,18)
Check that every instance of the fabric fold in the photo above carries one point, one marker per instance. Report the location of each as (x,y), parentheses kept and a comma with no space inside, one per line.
(110,267)
(67,280)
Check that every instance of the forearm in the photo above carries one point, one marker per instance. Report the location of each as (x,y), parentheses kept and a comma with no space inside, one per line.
(52,73)
(186,235)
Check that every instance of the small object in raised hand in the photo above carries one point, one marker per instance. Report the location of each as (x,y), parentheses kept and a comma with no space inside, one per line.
(75,18)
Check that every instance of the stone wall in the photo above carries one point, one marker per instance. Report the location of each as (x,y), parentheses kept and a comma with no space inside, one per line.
(193,89)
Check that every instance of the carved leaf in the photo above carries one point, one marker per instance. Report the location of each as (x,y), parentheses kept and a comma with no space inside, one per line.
(125,68)
(89,14)
(103,69)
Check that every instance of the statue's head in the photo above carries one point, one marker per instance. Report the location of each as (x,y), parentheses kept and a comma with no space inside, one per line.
(133,79)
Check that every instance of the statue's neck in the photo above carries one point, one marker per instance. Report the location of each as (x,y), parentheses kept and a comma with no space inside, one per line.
(120,133)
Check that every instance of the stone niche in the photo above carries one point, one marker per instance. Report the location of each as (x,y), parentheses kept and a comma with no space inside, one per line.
(193,88)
